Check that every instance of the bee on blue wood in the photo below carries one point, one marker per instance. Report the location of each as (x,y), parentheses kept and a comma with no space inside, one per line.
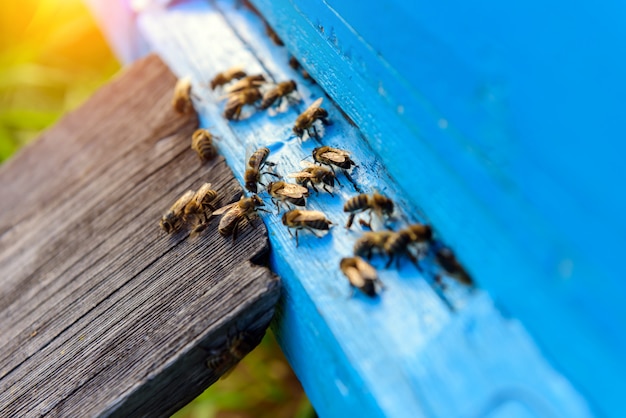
(448,262)
(227,76)
(311,220)
(202,144)
(236,213)
(305,122)
(282,192)
(248,82)
(174,218)
(361,275)
(372,242)
(400,242)
(256,162)
(333,157)
(313,174)
(374,203)
(281,91)
(236,102)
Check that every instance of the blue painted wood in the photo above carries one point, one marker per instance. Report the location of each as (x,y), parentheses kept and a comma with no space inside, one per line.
(407,353)
(509,117)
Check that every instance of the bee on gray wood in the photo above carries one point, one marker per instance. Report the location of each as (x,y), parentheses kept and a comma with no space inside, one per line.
(305,122)
(446,259)
(202,144)
(174,218)
(306,219)
(249,82)
(370,242)
(237,347)
(236,102)
(313,174)
(201,206)
(374,203)
(293,63)
(227,76)
(333,157)
(400,242)
(256,162)
(181,100)
(361,275)
(281,91)
(236,213)
(282,192)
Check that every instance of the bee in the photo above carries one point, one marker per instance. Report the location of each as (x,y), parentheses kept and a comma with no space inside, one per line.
(446,259)
(361,275)
(181,100)
(399,243)
(236,102)
(305,219)
(293,63)
(174,218)
(306,120)
(237,347)
(282,90)
(287,192)
(235,214)
(202,143)
(256,162)
(313,174)
(377,203)
(227,76)
(272,35)
(248,82)
(333,157)
(370,242)
(202,205)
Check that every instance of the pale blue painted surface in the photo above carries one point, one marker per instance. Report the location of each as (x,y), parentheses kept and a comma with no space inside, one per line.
(451,116)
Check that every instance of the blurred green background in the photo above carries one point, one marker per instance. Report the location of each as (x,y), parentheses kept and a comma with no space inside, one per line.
(52,58)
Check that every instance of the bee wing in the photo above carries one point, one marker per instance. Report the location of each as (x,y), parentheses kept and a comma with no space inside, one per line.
(367,271)
(293,190)
(204,189)
(354,276)
(309,215)
(300,175)
(314,105)
(333,156)
(306,164)
(234,70)
(183,201)
(224,209)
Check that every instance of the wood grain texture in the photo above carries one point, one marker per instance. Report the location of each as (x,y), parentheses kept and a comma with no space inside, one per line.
(102,312)
(416,351)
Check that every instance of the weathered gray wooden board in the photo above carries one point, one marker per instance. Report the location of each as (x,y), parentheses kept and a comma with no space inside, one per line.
(102,313)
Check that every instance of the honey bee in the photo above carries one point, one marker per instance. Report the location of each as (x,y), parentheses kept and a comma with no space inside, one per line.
(293,63)
(446,259)
(236,102)
(371,242)
(236,213)
(237,347)
(313,174)
(202,205)
(282,90)
(181,100)
(377,203)
(399,242)
(253,173)
(174,218)
(248,82)
(202,144)
(361,275)
(306,120)
(287,192)
(305,219)
(227,76)
(333,157)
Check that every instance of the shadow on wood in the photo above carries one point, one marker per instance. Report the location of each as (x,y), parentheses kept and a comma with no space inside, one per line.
(103,313)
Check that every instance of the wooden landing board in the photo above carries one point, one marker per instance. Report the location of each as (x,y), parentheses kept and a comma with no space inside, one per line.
(416,350)
(101,312)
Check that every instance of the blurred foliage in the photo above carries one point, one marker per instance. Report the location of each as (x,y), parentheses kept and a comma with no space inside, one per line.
(52,57)
(262,385)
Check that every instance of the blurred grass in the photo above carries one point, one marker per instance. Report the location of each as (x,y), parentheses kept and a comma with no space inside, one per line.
(52,58)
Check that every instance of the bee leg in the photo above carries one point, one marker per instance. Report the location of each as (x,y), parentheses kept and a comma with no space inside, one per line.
(312,186)
(366,224)
(296,238)
(262,210)
(350,219)
(271,174)
(391,257)
(415,262)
